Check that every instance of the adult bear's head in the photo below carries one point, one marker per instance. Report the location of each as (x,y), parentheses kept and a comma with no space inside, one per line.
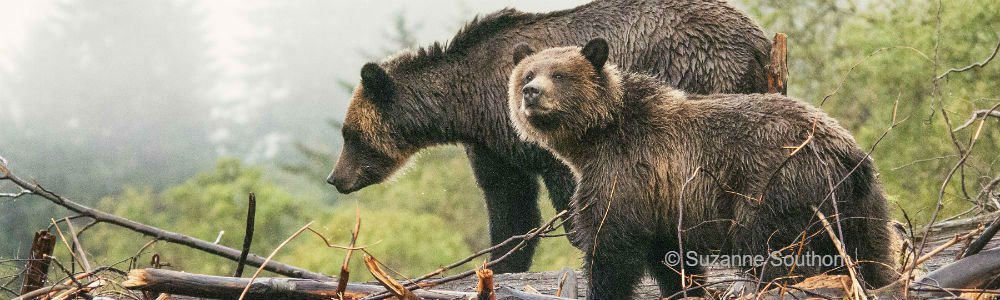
(422,97)
(375,131)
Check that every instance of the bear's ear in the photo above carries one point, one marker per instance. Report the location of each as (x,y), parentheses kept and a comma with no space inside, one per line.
(521,51)
(596,52)
(376,83)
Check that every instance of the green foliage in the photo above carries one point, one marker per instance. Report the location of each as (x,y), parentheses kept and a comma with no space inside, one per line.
(410,229)
(429,215)
(854,58)
(862,57)
(203,206)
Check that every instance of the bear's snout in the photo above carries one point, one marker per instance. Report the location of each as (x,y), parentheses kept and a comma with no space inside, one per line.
(531,94)
(344,179)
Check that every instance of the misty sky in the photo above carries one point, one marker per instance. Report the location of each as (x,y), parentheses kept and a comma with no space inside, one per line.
(363,23)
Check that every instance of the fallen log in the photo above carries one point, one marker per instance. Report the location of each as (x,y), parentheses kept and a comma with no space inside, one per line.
(968,273)
(219,287)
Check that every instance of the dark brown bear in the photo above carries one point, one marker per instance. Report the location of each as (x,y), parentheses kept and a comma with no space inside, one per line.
(651,162)
(456,94)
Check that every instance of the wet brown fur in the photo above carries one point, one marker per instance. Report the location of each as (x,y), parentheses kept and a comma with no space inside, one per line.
(455,93)
(648,158)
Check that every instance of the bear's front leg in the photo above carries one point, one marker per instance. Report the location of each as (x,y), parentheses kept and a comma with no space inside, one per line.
(512,205)
(559,182)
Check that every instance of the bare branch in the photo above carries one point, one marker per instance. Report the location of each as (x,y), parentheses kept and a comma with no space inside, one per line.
(975,65)
(979,114)
(944,185)
(79,247)
(15,195)
(45,290)
(863,60)
(157,233)
(423,282)
(247,235)
(859,292)
(984,194)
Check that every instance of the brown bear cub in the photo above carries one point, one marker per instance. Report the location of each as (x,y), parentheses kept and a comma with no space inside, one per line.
(661,172)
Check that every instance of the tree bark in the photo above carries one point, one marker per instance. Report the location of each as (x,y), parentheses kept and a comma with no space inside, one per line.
(777,70)
(38,261)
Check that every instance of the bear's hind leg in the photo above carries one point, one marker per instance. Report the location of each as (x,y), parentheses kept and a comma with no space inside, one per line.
(871,244)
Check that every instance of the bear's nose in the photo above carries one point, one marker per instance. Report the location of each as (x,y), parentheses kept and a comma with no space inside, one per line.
(531,94)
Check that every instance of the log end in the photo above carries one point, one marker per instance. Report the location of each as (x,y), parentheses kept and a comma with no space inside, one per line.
(136,279)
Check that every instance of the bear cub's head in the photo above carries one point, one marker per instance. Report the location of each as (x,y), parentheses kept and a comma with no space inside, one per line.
(560,93)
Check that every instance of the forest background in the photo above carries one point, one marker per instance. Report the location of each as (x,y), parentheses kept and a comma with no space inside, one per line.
(171,112)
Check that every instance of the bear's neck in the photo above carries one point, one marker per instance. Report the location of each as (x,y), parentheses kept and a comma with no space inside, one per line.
(631,126)
(466,102)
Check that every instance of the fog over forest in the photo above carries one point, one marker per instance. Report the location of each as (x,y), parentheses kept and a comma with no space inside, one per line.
(169,112)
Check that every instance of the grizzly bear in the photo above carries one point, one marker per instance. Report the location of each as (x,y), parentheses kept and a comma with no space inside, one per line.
(456,94)
(659,171)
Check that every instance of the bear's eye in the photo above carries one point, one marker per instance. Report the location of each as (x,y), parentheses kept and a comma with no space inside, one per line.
(529,77)
(558,76)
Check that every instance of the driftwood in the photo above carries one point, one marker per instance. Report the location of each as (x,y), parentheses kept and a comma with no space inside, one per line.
(218,287)
(970,272)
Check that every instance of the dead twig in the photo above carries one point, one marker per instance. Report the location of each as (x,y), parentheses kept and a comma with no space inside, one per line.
(345,272)
(423,282)
(69,275)
(856,288)
(247,235)
(68,247)
(15,195)
(985,193)
(944,246)
(843,80)
(42,291)
(979,114)
(944,184)
(397,289)
(261,268)
(79,247)
(547,227)
(680,229)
